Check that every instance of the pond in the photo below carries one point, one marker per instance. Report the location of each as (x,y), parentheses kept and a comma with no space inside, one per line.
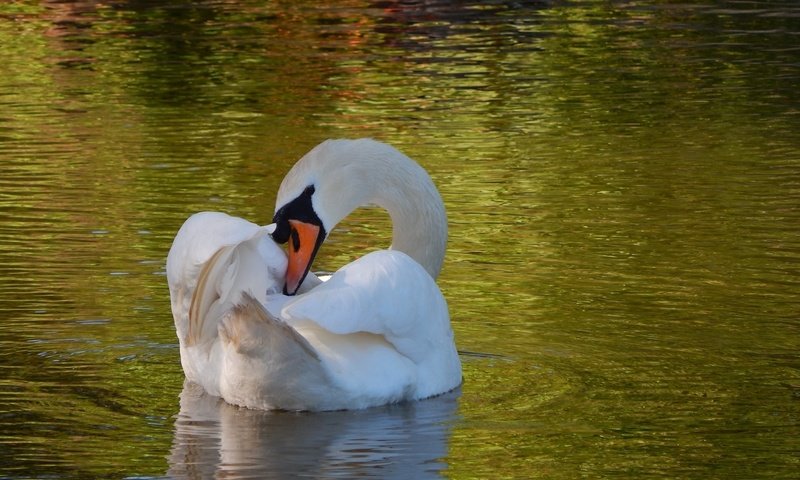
(622,182)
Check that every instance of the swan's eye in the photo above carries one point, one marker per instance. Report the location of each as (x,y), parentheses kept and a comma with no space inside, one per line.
(295,240)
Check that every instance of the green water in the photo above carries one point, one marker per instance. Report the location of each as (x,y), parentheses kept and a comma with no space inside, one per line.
(622,182)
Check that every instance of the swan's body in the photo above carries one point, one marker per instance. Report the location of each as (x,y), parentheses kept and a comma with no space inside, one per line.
(376,332)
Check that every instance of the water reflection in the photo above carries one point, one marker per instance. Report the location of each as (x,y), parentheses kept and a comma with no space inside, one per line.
(214,439)
(621,180)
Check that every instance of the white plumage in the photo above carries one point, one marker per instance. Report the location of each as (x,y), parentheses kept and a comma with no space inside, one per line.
(376,332)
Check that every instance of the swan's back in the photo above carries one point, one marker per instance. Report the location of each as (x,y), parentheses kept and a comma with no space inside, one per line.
(383,322)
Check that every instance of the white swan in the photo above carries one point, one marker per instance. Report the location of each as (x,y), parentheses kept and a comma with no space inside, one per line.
(376,332)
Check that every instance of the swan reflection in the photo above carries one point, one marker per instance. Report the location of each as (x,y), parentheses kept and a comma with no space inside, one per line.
(216,440)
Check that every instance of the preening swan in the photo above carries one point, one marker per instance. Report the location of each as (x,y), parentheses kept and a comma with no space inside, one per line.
(261,331)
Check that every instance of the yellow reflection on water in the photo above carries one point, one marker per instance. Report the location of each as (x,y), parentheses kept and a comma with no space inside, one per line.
(620,182)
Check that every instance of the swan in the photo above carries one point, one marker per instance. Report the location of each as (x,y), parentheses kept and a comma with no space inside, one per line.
(259,329)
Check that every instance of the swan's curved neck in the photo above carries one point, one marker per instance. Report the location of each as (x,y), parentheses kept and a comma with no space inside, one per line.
(347,174)
(362,172)
(419,222)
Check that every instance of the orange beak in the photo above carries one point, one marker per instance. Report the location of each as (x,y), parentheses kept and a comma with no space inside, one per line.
(304,240)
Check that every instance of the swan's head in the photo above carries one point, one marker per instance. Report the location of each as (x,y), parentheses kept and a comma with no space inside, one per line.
(323,187)
(338,176)
(297,223)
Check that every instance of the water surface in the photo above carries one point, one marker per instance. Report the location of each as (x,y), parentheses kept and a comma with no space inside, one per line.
(622,182)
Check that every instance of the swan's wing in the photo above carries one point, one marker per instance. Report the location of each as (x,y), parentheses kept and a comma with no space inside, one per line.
(212,284)
(233,271)
(384,293)
(268,364)
(249,327)
(213,260)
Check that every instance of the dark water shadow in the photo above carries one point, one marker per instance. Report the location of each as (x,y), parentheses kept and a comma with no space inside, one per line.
(216,440)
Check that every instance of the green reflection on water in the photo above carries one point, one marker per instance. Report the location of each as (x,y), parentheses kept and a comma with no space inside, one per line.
(621,183)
